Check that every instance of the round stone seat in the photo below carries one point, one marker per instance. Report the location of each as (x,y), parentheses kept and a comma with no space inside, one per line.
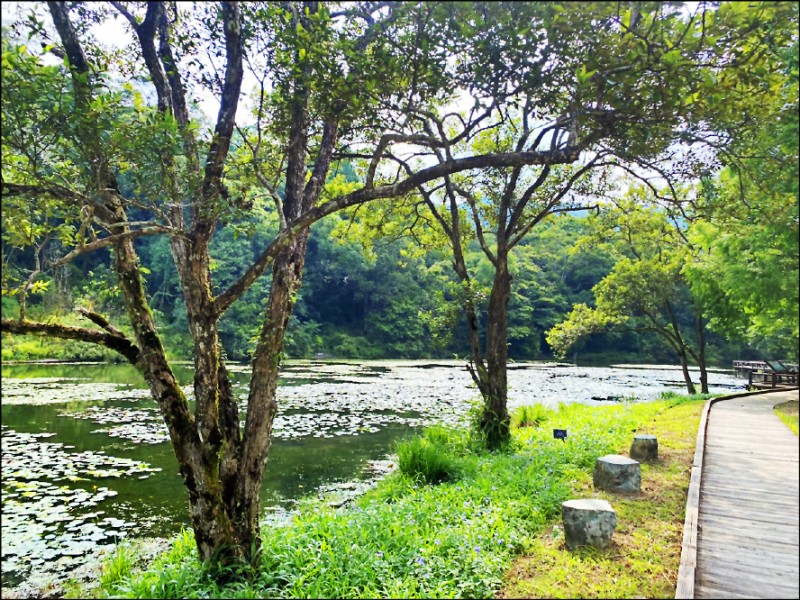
(644,448)
(588,523)
(617,473)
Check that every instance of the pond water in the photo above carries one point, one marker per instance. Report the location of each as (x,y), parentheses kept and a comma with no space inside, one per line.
(86,460)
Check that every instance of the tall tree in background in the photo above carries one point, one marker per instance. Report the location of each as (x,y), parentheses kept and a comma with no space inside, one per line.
(356,81)
(747,225)
(646,289)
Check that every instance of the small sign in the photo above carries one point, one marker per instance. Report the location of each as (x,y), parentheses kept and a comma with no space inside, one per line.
(560,434)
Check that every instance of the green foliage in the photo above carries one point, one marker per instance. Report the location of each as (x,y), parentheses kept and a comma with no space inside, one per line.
(582,321)
(748,267)
(645,288)
(788,413)
(530,415)
(675,399)
(116,568)
(433,457)
(404,539)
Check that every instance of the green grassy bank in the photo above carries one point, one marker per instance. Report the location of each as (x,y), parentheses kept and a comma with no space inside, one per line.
(455,521)
(788,413)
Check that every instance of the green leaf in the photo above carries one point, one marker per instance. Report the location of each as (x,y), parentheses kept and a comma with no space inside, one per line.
(671,57)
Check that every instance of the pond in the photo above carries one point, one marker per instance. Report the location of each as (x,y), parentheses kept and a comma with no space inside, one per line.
(86,460)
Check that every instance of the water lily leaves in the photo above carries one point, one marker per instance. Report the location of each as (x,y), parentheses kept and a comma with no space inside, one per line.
(45,519)
(56,390)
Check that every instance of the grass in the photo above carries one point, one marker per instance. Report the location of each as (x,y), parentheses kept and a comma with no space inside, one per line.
(433,456)
(643,558)
(489,527)
(788,413)
(529,416)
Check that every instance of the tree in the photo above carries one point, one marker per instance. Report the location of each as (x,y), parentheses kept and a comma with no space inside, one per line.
(748,225)
(333,83)
(645,289)
(627,85)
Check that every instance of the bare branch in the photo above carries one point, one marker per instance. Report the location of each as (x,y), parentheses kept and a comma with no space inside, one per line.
(394,190)
(476,218)
(220,144)
(54,191)
(555,200)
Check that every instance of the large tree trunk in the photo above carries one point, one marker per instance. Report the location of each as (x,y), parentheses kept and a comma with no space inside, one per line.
(198,462)
(224,487)
(262,404)
(495,422)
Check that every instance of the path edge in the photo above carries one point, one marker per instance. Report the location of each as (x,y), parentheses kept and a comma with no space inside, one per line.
(686,571)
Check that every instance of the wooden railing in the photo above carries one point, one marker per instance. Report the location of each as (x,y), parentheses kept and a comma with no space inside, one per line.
(743,368)
(770,379)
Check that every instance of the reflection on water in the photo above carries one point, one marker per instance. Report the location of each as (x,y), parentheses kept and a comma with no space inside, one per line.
(86,459)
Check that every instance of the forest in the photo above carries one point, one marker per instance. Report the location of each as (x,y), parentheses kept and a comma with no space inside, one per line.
(387,300)
(495,182)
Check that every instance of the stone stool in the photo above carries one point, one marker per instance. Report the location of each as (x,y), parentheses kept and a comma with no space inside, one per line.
(588,523)
(644,448)
(616,473)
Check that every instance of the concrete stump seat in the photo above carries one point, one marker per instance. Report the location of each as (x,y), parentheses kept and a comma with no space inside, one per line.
(616,473)
(588,523)
(644,448)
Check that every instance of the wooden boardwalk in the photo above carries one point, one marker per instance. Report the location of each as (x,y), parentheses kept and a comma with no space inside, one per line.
(749,504)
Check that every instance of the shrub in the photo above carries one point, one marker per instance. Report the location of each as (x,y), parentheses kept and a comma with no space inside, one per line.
(430,458)
(530,416)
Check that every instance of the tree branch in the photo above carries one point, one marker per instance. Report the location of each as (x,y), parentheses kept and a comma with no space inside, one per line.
(224,300)
(107,241)
(473,206)
(101,321)
(221,142)
(114,342)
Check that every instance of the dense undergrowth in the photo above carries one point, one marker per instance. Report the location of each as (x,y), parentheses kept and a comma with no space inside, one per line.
(448,523)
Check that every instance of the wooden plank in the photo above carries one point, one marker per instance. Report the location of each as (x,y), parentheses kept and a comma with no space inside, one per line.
(753,557)
(772,534)
(753,511)
(718,484)
(728,539)
(777,449)
(766,558)
(720,480)
(747,522)
(741,503)
(686,570)
(754,586)
(685,586)
(745,454)
(705,590)
(744,468)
